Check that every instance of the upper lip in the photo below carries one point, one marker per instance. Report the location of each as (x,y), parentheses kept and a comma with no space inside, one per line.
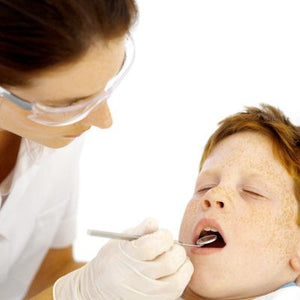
(206,222)
(76,134)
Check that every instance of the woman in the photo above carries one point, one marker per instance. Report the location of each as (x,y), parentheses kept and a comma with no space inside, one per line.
(59,62)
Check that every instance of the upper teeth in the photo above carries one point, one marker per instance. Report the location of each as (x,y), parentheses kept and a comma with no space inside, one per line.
(210,229)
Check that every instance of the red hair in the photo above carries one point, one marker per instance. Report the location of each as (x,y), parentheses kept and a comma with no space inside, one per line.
(271,122)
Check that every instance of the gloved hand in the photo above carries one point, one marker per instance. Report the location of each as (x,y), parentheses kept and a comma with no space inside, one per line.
(151,267)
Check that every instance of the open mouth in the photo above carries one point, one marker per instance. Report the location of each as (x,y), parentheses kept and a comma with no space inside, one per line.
(218,243)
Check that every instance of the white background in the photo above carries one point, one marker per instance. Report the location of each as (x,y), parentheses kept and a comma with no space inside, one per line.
(196,62)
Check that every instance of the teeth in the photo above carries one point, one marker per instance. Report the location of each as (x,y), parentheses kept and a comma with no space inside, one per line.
(210,229)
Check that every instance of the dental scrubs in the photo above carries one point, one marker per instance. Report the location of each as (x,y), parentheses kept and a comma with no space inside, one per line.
(37,212)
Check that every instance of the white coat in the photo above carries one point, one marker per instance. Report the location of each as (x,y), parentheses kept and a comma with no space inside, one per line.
(39,212)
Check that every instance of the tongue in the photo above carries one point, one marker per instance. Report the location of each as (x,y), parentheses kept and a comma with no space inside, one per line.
(218,243)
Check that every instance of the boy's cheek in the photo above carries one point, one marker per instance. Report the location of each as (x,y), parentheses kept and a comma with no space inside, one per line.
(191,214)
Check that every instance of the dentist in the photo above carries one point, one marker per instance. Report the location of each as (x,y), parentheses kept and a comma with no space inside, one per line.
(60,60)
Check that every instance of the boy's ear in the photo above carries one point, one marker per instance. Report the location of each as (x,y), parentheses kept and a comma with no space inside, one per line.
(295,260)
(298,281)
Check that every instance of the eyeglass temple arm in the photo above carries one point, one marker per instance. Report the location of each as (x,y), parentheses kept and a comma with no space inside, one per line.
(16,100)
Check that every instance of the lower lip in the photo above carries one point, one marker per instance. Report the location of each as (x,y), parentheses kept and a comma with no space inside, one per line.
(205,251)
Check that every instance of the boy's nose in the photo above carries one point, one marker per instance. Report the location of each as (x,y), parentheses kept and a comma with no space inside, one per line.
(219,198)
(99,117)
(208,203)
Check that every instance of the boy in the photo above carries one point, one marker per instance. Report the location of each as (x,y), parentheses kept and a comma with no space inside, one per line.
(248,194)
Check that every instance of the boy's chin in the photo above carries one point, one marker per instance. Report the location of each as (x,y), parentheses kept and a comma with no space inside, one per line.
(190,295)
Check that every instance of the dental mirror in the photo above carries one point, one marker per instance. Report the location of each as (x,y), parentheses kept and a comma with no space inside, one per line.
(129,237)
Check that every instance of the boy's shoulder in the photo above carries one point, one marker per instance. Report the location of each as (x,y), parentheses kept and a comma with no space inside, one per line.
(287,293)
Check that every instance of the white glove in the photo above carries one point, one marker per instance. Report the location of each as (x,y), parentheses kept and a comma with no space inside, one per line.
(151,267)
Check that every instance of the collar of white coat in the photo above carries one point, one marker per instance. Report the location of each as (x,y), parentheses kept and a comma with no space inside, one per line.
(30,155)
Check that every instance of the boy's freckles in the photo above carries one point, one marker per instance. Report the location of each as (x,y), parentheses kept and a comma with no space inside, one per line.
(260,227)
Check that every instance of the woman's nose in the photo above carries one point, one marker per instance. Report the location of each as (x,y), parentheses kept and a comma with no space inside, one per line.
(99,117)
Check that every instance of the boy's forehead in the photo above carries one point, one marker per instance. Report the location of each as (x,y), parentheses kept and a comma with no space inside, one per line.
(247,159)
(248,151)
(240,145)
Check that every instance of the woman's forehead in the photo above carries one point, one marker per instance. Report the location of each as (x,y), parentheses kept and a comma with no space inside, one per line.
(87,76)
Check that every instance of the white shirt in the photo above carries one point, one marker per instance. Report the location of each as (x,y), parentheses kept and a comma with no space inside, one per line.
(39,212)
(287,293)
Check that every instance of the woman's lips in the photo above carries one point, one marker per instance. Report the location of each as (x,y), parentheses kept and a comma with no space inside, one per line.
(72,136)
(77,134)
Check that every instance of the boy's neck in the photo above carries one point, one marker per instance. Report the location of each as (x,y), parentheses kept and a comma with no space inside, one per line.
(190,295)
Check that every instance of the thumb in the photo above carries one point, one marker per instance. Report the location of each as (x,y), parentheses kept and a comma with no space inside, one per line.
(149,225)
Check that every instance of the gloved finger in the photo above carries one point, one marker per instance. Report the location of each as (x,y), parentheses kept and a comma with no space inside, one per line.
(149,225)
(149,246)
(179,280)
(170,287)
(164,265)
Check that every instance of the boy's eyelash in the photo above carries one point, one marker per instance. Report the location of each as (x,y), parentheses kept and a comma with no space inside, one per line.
(252,193)
(204,189)
(249,191)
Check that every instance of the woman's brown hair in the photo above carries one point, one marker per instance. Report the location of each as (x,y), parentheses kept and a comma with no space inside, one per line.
(271,122)
(39,34)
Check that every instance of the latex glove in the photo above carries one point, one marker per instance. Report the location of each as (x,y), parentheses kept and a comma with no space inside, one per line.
(152,267)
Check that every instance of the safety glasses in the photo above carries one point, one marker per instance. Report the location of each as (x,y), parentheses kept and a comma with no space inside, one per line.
(66,115)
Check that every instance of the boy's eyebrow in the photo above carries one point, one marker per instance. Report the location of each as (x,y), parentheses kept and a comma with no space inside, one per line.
(209,172)
(255,175)
(206,174)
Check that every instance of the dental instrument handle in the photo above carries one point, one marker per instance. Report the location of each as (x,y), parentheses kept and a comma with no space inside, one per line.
(130,237)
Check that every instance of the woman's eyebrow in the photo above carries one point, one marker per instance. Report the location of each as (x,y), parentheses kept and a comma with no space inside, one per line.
(72,100)
(66,101)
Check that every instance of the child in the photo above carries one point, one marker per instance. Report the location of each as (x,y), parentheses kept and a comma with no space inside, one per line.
(248,194)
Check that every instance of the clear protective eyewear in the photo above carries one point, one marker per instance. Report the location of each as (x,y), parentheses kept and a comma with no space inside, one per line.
(66,115)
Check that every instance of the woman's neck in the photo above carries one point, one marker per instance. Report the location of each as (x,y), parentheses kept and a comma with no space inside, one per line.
(9,149)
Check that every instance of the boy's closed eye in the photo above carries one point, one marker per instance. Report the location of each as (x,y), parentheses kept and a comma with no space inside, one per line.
(250,191)
(253,192)
(204,188)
